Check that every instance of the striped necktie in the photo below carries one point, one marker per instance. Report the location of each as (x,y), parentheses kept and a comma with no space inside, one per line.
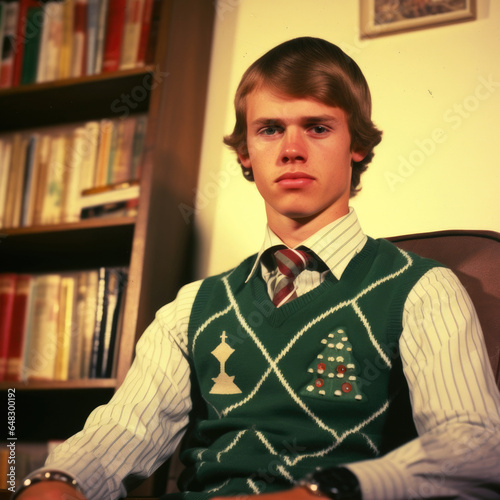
(290,264)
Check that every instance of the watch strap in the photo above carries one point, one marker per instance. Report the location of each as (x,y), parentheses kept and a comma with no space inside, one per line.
(47,475)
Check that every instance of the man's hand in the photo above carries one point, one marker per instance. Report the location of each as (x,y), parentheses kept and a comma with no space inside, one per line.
(293,494)
(50,490)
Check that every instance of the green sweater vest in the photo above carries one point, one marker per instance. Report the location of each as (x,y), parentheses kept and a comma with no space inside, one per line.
(316,382)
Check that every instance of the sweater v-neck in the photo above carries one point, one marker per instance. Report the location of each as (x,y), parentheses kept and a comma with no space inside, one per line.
(354,272)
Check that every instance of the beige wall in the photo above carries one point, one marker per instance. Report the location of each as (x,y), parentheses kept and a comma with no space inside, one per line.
(436,95)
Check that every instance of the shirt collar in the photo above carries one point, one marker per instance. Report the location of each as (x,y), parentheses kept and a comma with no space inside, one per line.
(335,244)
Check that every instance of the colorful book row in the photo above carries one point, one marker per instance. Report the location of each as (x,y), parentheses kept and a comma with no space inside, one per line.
(60,326)
(57,39)
(45,174)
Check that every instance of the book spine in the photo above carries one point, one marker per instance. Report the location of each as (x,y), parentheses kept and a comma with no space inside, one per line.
(66,51)
(17,335)
(131,34)
(42,333)
(64,324)
(7,293)
(114,35)
(5,162)
(79,55)
(92,29)
(9,44)
(144,36)
(54,24)
(96,355)
(32,34)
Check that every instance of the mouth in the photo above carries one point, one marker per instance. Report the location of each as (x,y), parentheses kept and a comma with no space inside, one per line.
(294,180)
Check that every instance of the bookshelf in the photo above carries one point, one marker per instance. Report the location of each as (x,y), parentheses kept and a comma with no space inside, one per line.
(156,245)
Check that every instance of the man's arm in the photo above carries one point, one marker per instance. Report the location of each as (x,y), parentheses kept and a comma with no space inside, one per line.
(456,404)
(144,421)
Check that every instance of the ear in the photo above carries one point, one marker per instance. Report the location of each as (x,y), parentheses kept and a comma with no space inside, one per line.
(245,160)
(358,156)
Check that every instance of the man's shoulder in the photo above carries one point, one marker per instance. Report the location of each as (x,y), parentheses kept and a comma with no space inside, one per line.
(243,267)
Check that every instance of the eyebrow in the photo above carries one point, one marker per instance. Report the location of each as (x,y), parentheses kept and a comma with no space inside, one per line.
(260,122)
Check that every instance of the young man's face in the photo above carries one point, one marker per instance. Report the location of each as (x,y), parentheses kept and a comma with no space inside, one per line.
(299,150)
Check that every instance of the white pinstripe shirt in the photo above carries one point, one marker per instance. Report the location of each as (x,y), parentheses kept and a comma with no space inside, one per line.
(456,404)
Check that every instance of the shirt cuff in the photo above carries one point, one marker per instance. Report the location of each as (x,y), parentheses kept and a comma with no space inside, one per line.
(379,479)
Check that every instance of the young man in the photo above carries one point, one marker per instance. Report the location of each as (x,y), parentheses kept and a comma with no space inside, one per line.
(340,367)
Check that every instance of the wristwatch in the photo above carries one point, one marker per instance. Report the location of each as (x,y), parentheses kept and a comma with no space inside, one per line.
(47,475)
(338,483)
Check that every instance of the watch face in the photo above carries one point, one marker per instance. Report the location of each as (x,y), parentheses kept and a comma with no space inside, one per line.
(338,483)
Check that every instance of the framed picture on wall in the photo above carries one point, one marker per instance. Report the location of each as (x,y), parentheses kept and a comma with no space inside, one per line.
(381,17)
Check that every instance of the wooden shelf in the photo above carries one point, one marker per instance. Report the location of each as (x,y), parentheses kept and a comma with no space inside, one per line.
(45,385)
(78,99)
(104,222)
(86,244)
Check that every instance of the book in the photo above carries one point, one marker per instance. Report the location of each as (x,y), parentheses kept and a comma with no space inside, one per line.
(100,320)
(66,50)
(13,199)
(114,286)
(7,291)
(50,45)
(110,194)
(21,36)
(70,210)
(101,35)
(138,146)
(8,43)
(87,148)
(17,334)
(145,29)
(86,304)
(30,179)
(32,40)
(121,168)
(93,7)
(106,136)
(154,28)
(5,156)
(53,195)
(65,325)
(79,48)
(114,35)
(43,163)
(125,208)
(131,34)
(42,330)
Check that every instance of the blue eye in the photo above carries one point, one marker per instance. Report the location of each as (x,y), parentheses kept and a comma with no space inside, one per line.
(270,130)
(319,129)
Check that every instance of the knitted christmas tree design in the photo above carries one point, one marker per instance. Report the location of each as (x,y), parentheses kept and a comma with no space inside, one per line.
(334,371)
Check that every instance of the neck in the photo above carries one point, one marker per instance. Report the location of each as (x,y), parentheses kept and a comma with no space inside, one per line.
(293,231)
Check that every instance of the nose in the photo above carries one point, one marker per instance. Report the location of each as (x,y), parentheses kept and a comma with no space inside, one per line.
(293,149)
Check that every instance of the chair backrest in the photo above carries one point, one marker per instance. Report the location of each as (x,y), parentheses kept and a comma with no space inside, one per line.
(474,256)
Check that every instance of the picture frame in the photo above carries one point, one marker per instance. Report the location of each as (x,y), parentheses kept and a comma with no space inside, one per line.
(383,17)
